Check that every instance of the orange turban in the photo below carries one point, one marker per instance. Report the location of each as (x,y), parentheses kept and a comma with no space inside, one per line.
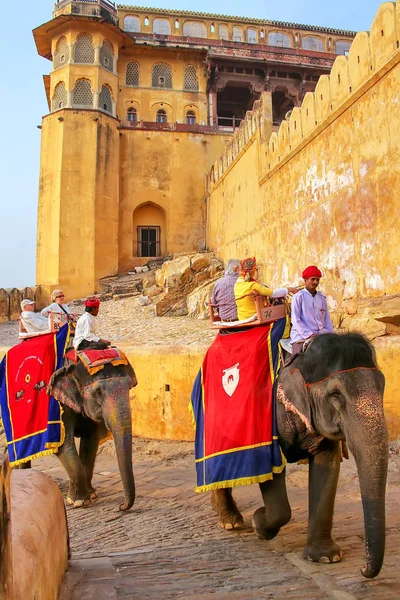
(248,264)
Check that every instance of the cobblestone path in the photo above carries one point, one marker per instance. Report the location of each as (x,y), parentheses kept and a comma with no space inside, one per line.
(170,546)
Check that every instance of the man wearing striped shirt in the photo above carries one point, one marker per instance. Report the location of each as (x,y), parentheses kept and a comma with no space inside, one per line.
(223,295)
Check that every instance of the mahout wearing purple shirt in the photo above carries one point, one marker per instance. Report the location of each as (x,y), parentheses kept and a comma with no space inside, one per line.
(310,315)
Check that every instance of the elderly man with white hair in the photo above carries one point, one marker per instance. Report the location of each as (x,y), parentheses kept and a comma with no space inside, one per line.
(31,321)
(223,295)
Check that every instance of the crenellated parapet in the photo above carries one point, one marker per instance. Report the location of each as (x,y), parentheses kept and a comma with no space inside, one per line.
(369,53)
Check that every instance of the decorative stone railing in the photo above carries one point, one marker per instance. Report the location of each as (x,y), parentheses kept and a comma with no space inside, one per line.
(89,8)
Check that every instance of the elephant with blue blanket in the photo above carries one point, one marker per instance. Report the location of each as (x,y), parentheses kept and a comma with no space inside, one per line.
(330,393)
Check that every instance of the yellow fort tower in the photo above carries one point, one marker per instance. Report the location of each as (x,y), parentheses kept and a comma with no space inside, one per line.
(141,103)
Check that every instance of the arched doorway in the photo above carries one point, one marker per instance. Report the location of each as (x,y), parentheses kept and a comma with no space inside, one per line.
(149,231)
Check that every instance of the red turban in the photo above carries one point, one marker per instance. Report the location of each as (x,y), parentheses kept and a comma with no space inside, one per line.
(92,302)
(311,271)
(248,264)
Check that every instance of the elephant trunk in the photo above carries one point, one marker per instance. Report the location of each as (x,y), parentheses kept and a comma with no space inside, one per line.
(367,438)
(117,417)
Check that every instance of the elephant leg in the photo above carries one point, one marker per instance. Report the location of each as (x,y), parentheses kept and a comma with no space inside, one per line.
(276,511)
(224,505)
(322,484)
(87,454)
(78,494)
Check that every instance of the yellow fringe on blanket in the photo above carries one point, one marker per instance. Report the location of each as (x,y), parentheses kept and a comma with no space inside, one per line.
(38,455)
(219,485)
(238,482)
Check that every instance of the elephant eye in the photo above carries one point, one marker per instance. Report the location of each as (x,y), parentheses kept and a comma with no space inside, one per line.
(334,394)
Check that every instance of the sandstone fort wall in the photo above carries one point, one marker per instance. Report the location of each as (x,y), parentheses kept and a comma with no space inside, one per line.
(323,189)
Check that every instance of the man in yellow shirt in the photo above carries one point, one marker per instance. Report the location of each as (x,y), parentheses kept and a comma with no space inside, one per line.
(246,287)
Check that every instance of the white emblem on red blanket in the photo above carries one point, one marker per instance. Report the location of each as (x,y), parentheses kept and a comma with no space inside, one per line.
(230,379)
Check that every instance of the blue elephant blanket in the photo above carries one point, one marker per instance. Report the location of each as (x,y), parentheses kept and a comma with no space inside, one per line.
(32,419)
(233,404)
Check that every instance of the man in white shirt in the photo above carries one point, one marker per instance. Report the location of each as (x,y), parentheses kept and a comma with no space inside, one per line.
(85,333)
(31,321)
(309,311)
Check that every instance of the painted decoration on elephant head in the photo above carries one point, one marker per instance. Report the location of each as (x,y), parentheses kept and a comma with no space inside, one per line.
(230,379)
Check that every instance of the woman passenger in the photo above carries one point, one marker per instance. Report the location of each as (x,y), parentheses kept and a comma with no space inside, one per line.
(58,306)
(246,287)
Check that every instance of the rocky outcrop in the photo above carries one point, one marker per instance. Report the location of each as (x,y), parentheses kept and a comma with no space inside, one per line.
(196,300)
(373,317)
(34,535)
(178,278)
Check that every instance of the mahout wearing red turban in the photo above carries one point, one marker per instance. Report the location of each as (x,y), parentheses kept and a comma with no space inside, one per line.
(92,302)
(248,264)
(311,271)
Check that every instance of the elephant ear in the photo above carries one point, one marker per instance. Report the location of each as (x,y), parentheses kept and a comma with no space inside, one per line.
(293,393)
(132,375)
(64,387)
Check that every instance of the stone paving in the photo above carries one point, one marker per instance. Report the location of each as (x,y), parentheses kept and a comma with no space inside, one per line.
(170,546)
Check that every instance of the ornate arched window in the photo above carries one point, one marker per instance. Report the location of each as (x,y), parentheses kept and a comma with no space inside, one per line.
(161,116)
(310,42)
(237,34)
(132,74)
(191,117)
(223,32)
(190,83)
(162,26)
(61,54)
(59,99)
(132,24)
(195,29)
(82,96)
(107,56)
(276,38)
(342,47)
(131,114)
(161,76)
(251,35)
(105,99)
(84,49)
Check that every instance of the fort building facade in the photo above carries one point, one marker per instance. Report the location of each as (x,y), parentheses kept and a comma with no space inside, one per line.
(142,102)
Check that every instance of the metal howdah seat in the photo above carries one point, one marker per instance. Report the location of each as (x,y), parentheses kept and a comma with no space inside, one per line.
(54,325)
(267,310)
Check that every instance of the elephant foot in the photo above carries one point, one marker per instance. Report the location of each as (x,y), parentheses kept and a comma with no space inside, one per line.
(323,552)
(78,503)
(226,508)
(263,529)
(93,493)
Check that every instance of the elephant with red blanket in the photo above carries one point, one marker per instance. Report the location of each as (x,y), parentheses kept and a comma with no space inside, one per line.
(332,392)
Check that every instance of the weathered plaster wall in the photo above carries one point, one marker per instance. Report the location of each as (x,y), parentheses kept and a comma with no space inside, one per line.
(78,201)
(324,189)
(162,413)
(166,171)
(93,178)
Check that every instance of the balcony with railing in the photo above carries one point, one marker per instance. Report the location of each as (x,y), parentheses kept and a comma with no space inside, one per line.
(88,8)
(228,124)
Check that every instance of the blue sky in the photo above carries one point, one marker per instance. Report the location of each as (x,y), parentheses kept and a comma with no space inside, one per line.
(23,103)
